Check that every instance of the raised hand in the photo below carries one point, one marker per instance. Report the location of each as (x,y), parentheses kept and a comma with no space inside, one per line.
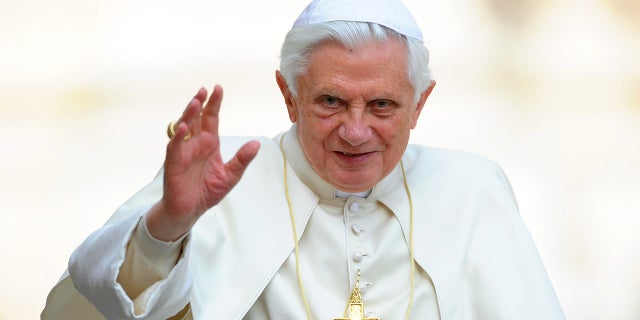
(195,177)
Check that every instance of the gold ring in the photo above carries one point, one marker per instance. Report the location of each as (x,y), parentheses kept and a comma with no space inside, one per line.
(171,131)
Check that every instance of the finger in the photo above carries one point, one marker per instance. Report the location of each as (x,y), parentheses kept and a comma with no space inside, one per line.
(201,95)
(174,155)
(181,132)
(212,110)
(198,99)
(237,165)
(191,116)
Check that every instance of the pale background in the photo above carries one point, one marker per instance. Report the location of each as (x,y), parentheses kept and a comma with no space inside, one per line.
(548,88)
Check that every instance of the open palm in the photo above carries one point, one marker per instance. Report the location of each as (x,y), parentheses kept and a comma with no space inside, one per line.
(195,176)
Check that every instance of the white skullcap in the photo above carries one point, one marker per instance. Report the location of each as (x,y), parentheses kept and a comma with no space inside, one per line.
(390,13)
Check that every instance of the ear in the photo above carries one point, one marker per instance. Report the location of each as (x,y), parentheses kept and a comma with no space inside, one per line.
(421,103)
(288,97)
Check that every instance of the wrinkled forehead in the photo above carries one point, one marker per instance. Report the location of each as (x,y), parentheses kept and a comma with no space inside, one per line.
(372,69)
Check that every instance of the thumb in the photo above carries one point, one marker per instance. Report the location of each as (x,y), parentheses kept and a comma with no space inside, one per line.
(237,165)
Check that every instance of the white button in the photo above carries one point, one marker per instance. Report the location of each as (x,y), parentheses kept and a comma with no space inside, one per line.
(357,229)
(354,207)
(359,255)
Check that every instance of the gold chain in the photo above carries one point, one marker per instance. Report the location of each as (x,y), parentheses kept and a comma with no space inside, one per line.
(296,246)
(295,233)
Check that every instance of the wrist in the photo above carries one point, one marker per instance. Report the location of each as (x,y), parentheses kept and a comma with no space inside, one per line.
(165,226)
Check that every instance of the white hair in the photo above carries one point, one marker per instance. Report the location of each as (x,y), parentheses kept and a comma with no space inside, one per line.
(302,40)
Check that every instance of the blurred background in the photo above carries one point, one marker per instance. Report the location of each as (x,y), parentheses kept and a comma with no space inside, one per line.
(550,89)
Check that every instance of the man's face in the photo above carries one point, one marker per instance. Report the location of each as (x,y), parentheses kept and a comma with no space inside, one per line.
(354,110)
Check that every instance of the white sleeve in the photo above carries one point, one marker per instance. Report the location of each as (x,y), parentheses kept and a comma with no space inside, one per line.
(146,263)
(95,268)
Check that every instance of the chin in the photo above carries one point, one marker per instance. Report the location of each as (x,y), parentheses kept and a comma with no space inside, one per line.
(355,185)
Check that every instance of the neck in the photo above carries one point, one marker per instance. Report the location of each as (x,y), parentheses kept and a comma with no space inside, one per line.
(362,194)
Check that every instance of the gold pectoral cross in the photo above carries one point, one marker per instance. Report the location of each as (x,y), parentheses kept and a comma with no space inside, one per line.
(356,307)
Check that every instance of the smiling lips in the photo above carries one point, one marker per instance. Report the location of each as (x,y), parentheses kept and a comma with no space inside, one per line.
(353,156)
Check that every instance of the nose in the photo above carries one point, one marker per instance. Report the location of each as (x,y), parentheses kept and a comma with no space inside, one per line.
(355,130)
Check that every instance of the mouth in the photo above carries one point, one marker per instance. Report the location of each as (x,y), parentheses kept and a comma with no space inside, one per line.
(348,154)
(353,156)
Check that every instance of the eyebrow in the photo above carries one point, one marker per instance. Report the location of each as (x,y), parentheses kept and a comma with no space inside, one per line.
(338,93)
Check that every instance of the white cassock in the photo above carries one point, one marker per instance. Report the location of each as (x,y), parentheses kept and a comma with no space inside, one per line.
(474,256)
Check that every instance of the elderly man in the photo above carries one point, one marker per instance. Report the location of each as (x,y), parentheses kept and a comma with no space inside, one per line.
(336,218)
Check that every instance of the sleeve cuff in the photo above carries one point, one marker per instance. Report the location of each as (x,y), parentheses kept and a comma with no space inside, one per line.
(160,254)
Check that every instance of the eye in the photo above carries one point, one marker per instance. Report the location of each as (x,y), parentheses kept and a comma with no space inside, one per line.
(330,101)
(383,107)
(381,104)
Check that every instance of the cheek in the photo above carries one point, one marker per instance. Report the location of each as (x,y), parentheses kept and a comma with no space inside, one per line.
(395,135)
(395,131)
(316,128)
(311,138)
